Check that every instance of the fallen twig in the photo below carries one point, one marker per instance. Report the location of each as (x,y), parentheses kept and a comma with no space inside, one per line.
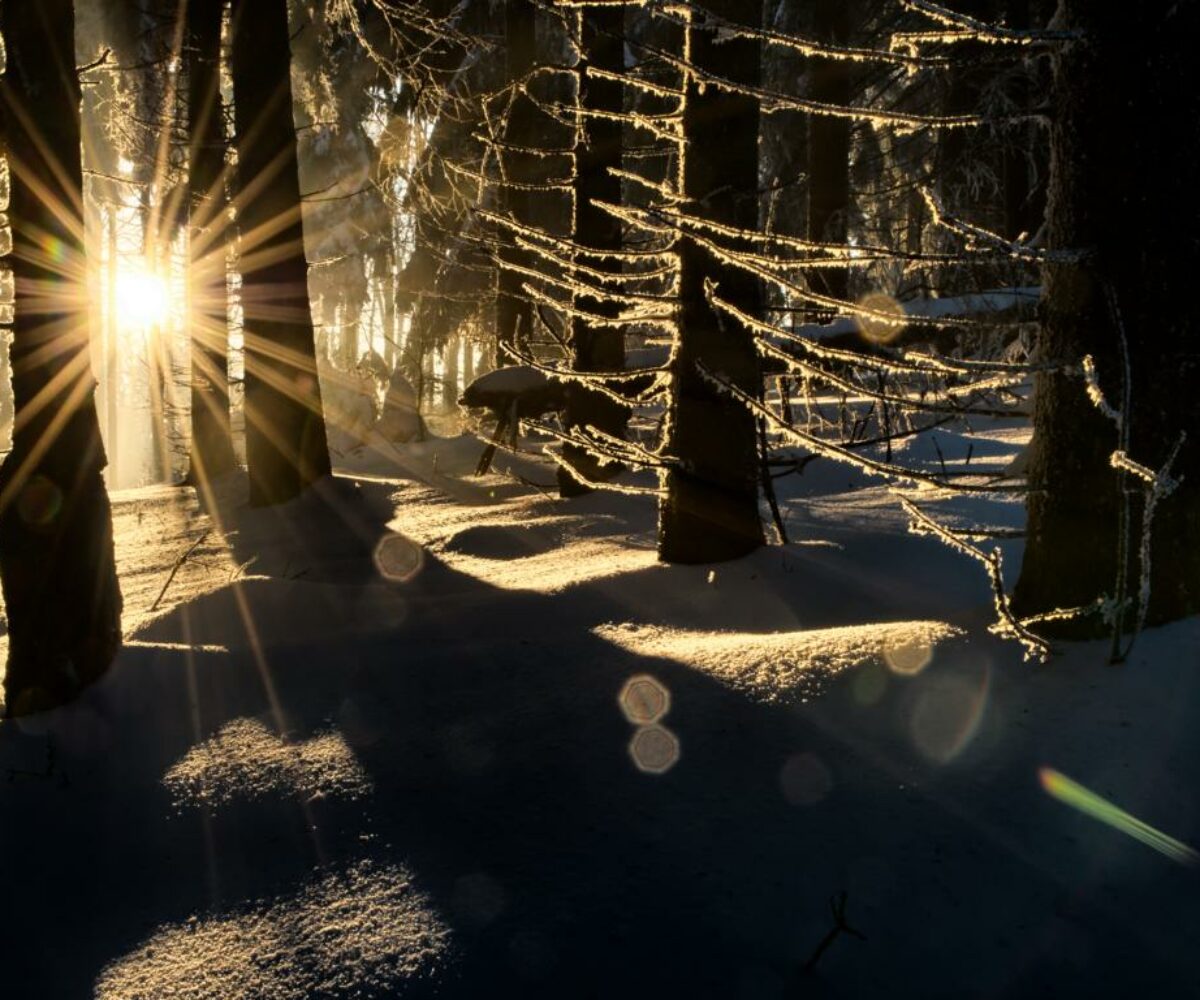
(175,569)
(837,909)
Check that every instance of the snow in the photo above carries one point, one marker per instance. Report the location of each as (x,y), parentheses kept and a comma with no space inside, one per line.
(420,734)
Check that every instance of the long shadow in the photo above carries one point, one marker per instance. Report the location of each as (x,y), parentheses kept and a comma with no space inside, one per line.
(489,726)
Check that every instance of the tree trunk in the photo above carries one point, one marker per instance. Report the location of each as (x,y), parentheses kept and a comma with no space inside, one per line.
(710,510)
(829,146)
(1118,193)
(212,437)
(598,147)
(286,447)
(1024,166)
(112,326)
(57,568)
(450,373)
(514,312)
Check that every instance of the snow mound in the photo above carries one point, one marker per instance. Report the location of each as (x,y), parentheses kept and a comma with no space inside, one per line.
(786,666)
(355,933)
(246,760)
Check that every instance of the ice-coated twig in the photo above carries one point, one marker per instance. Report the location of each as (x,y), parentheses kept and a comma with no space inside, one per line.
(726,29)
(907,402)
(1159,486)
(974,234)
(963,27)
(838,451)
(837,910)
(888,359)
(1095,393)
(1008,625)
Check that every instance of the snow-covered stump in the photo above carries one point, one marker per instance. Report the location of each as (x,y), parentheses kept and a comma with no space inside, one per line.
(511,394)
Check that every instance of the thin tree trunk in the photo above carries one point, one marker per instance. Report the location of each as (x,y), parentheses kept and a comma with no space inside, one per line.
(112,325)
(829,145)
(387,288)
(710,510)
(1112,174)
(450,373)
(468,362)
(514,312)
(61,592)
(286,447)
(1024,165)
(212,436)
(598,148)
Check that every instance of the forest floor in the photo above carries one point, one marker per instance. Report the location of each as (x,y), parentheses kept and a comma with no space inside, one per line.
(425,735)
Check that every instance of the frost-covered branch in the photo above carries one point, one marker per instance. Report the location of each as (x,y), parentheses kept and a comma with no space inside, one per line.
(922,524)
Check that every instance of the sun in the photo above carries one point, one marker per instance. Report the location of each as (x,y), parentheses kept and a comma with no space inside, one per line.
(141,297)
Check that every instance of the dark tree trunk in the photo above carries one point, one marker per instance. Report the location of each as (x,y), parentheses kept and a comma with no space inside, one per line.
(514,312)
(60,583)
(1126,107)
(598,147)
(710,511)
(1024,166)
(212,438)
(829,146)
(286,448)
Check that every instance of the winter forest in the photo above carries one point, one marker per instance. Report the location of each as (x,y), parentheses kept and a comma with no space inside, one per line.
(599,498)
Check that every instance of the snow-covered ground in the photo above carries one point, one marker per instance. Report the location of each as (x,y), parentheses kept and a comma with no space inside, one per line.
(428,735)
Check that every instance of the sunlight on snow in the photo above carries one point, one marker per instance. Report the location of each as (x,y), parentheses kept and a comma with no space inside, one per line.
(168,550)
(777,665)
(246,760)
(548,572)
(362,932)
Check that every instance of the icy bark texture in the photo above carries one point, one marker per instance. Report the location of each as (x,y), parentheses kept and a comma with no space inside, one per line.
(1124,124)
(598,147)
(710,512)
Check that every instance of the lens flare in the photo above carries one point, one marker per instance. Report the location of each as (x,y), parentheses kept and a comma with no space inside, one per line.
(398,559)
(1075,795)
(805,779)
(644,700)
(654,749)
(908,657)
(882,318)
(40,502)
(142,298)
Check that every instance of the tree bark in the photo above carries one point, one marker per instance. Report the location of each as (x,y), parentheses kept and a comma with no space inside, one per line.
(57,567)
(286,446)
(1125,115)
(514,312)
(212,437)
(710,510)
(829,146)
(598,147)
